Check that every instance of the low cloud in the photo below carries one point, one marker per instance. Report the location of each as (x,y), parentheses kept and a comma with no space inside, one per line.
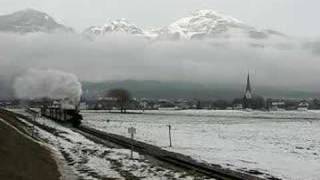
(314,46)
(271,63)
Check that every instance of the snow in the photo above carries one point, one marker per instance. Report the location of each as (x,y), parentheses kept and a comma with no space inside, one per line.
(199,25)
(282,144)
(211,13)
(89,160)
(117,27)
(204,22)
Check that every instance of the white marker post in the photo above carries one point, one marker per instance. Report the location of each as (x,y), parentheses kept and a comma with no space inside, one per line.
(169,126)
(132,131)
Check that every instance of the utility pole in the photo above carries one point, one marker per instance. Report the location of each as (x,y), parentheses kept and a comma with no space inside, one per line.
(131,154)
(170,141)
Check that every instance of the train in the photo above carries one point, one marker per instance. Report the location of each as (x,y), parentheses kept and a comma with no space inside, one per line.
(63,114)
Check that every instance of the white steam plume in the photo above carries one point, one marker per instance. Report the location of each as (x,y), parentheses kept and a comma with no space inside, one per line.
(48,84)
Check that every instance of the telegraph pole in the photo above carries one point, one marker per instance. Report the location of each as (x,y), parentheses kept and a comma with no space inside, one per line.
(170,141)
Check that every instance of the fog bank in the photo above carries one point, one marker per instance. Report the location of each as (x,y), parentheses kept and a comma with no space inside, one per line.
(289,64)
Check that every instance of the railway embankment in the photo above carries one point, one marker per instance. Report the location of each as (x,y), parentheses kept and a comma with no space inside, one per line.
(21,156)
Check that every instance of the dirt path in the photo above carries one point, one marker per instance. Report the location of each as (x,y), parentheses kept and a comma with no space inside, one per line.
(22,158)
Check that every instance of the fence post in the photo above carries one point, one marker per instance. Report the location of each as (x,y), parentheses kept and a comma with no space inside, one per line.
(170,141)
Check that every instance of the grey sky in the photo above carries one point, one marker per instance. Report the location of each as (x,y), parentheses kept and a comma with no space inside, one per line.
(294,17)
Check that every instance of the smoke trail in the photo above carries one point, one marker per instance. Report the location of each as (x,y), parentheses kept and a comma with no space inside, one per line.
(51,84)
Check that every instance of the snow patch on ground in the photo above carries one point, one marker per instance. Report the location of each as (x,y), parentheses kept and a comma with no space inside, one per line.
(90,161)
(284,144)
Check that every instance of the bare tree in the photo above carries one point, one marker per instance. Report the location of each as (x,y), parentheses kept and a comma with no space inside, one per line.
(122,98)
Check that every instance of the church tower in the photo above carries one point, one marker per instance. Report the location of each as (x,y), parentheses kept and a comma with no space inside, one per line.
(248,94)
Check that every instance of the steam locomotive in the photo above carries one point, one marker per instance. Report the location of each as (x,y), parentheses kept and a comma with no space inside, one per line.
(62,113)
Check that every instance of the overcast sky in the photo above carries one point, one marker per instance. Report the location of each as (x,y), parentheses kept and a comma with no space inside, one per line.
(293,17)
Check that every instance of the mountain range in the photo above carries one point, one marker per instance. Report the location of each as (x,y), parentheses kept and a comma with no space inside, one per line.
(199,25)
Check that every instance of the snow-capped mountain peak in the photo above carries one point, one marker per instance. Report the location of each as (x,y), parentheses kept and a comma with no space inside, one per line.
(117,26)
(208,13)
(30,20)
(199,24)
(211,24)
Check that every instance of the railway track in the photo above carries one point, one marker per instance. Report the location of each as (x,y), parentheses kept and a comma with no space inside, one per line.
(175,159)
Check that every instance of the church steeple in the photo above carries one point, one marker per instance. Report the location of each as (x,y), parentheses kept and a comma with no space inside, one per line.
(248,94)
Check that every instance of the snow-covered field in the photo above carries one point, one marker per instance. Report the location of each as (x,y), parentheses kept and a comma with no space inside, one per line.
(285,144)
(88,160)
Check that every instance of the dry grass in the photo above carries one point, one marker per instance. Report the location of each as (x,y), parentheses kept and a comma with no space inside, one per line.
(21,158)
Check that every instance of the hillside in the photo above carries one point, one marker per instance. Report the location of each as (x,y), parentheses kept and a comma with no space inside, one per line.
(176,90)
